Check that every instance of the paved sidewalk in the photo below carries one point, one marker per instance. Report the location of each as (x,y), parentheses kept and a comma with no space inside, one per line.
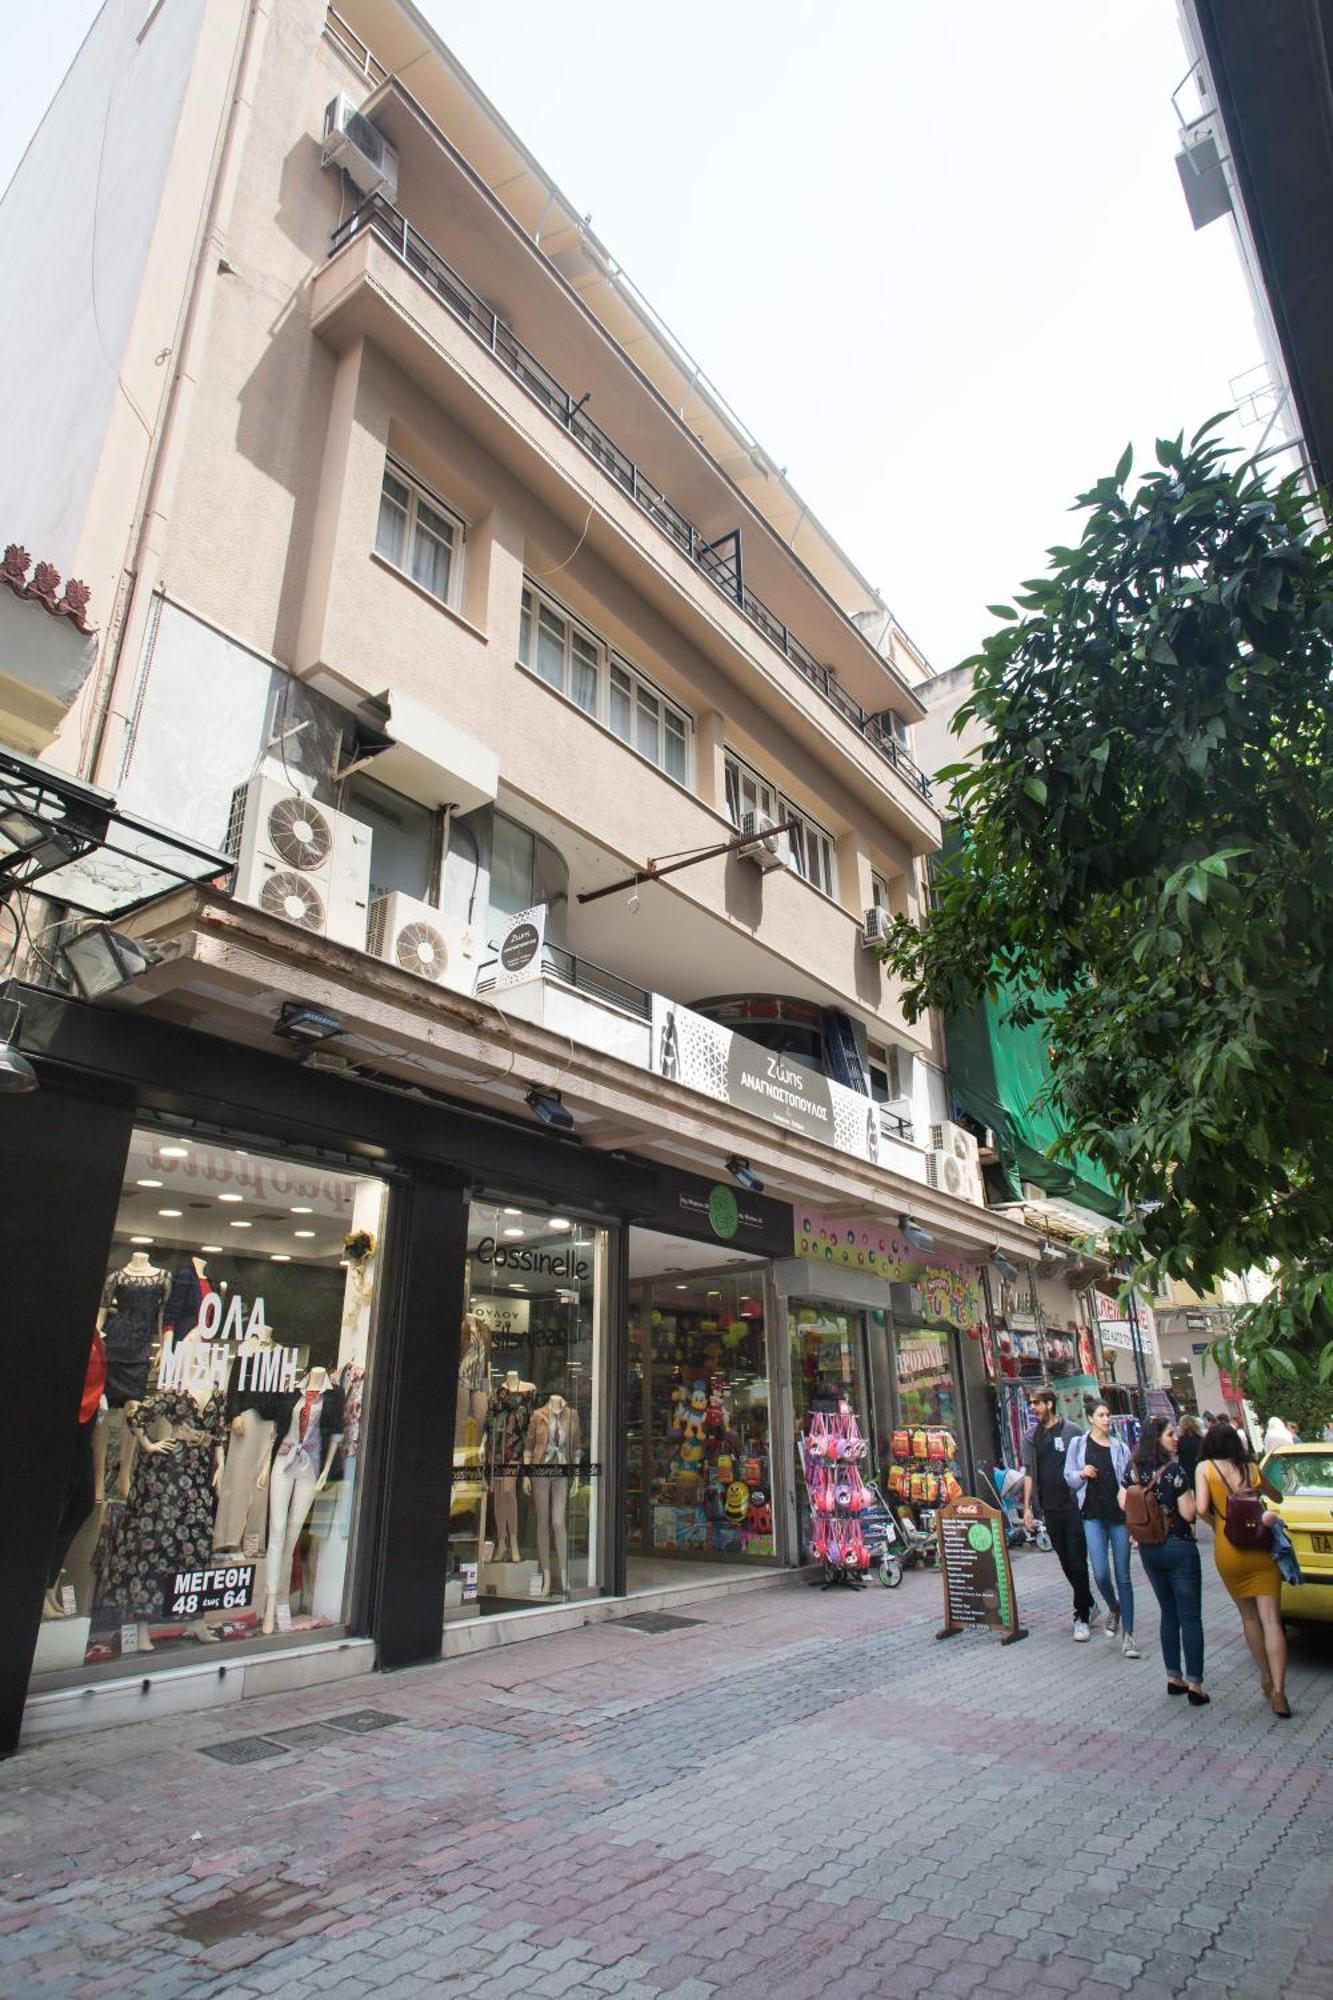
(803,1792)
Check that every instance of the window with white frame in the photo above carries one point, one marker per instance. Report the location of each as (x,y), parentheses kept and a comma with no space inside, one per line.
(807,848)
(419,535)
(879,891)
(583,668)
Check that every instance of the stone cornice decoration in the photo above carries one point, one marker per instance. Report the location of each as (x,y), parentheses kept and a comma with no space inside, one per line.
(43,587)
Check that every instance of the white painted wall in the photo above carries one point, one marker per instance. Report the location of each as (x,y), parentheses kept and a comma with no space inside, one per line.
(75,227)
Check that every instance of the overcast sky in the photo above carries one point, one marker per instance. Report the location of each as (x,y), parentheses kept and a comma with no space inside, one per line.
(936,257)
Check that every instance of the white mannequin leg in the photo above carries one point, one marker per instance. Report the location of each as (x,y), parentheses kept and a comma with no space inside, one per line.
(247,1450)
(559,1505)
(291,1494)
(506,1518)
(541,1500)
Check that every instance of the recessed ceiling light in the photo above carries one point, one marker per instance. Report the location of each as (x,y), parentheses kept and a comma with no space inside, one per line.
(559,1222)
(231,1197)
(141,1239)
(513,1232)
(174,1152)
(240,1225)
(298,1210)
(511,1211)
(147,1183)
(211,1249)
(169,1211)
(682,1288)
(518,1288)
(303,1232)
(279,1257)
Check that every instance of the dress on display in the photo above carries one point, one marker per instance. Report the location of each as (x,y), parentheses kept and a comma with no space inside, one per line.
(185,1301)
(133,1307)
(507,1422)
(168,1520)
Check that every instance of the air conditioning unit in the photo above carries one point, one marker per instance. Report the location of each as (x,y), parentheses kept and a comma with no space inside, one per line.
(765,849)
(875,926)
(419,938)
(952,1143)
(951,1175)
(300,860)
(359,148)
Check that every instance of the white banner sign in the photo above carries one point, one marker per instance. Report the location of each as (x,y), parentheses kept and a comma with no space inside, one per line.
(518,954)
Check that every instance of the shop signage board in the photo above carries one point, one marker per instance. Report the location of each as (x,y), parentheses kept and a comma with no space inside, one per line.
(716,1212)
(518,952)
(976,1572)
(703,1055)
(189,1593)
(949,1286)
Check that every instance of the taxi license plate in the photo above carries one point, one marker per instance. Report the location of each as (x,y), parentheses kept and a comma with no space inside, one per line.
(1322,1545)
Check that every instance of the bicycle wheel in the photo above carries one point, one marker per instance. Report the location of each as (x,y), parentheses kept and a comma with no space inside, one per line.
(889,1570)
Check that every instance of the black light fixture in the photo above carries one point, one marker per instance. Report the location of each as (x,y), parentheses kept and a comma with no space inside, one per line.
(17,1074)
(550,1107)
(742,1172)
(100,961)
(28,838)
(307,1025)
(1004,1265)
(919,1238)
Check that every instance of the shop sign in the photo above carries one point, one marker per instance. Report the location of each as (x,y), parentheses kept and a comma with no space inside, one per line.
(975,1570)
(542,1263)
(714,1212)
(265,1180)
(1119,1333)
(949,1288)
(518,956)
(203,1365)
(188,1593)
(703,1055)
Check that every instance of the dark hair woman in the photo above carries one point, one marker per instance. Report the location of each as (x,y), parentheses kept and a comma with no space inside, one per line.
(1172,1566)
(1189,1445)
(1250,1575)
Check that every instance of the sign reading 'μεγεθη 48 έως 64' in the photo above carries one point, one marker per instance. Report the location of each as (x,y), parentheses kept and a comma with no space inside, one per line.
(975,1569)
(188,1593)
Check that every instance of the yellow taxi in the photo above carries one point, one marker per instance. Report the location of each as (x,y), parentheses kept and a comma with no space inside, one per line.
(1303,1474)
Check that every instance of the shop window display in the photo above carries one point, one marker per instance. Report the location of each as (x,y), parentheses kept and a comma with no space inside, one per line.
(524,1523)
(828,1376)
(211,1493)
(699,1464)
(924,1467)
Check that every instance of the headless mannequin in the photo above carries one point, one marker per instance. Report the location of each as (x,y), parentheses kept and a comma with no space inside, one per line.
(293,1481)
(553,1442)
(140,1266)
(474,1374)
(509,1424)
(197,1381)
(242,1499)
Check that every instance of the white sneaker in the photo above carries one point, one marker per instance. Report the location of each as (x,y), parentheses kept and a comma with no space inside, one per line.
(1129,1649)
(1112,1624)
(1081,1632)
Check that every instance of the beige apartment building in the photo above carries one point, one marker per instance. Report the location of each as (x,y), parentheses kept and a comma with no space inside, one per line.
(492,1212)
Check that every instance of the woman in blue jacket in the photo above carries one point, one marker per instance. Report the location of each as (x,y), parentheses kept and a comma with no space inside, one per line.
(1097,1467)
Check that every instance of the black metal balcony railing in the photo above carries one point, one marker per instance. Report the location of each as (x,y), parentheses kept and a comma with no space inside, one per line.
(719,560)
(597,981)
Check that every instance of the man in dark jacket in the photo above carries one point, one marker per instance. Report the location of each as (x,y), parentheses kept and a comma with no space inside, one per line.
(1044,1486)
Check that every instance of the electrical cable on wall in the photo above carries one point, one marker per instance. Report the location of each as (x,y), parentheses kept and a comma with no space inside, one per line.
(539,574)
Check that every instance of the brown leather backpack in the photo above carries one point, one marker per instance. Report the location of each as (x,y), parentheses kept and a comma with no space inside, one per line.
(1145,1516)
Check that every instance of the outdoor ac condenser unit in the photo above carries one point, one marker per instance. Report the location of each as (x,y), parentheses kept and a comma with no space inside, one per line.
(418,938)
(300,860)
(875,926)
(953,1165)
(360,148)
(765,846)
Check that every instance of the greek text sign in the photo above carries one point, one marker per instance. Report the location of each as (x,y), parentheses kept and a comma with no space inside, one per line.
(974,1567)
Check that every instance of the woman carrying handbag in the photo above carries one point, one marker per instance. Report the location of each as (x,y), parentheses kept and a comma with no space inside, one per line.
(1159,1512)
(1227,1488)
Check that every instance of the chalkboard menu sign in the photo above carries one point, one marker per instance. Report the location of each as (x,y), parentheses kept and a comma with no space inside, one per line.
(974,1563)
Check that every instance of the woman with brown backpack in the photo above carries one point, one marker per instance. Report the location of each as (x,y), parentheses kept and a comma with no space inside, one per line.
(1227,1488)
(1159,1513)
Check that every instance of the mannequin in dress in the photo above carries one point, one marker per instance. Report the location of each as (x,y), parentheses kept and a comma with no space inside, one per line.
(310,1431)
(251,1417)
(129,1321)
(190,1286)
(508,1414)
(553,1453)
(474,1375)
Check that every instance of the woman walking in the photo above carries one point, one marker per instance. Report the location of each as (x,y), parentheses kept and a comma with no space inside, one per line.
(1097,1468)
(1172,1566)
(1189,1443)
(1250,1575)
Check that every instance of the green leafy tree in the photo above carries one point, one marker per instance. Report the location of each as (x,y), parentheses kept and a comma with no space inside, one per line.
(1145,832)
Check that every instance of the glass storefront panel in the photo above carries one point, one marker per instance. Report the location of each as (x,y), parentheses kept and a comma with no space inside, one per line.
(211,1499)
(827,1368)
(525,1522)
(925,1465)
(699,1467)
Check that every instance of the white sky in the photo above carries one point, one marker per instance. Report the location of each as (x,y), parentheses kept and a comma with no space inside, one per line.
(936,257)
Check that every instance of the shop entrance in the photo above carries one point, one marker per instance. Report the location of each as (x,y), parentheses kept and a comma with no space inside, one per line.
(699,1471)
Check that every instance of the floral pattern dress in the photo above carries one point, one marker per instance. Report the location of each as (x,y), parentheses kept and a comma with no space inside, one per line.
(168,1519)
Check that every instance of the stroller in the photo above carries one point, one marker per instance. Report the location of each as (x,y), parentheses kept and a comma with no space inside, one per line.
(893,1538)
(1007,1486)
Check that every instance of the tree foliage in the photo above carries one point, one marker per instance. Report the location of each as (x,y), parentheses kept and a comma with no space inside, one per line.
(1145,830)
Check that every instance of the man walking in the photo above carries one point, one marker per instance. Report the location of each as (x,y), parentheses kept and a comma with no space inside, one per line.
(1044,1482)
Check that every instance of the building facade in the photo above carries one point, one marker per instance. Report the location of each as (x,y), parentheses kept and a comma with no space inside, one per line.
(473,1200)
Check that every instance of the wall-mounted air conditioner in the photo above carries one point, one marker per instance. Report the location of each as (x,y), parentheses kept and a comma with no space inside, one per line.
(875,926)
(953,1165)
(419,938)
(300,860)
(765,846)
(360,148)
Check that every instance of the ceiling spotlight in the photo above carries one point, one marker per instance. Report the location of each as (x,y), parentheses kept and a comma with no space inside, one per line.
(297,1232)
(559,1222)
(231,1197)
(168,1211)
(515,1232)
(279,1257)
(742,1171)
(148,1183)
(173,1152)
(100,961)
(551,1108)
(211,1249)
(299,1209)
(240,1225)
(919,1238)
(17,1074)
(141,1239)
(1004,1265)
(307,1025)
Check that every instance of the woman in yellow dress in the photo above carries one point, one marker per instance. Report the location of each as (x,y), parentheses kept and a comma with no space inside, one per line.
(1250,1575)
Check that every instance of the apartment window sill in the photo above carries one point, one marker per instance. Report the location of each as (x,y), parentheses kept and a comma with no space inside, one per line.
(530,673)
(429,597)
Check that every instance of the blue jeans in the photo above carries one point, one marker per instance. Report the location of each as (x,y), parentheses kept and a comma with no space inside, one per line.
(1173,1571)
(1109,1542)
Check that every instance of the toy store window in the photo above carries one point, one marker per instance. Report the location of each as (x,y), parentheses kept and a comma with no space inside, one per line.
(212,1496)
(698,1461)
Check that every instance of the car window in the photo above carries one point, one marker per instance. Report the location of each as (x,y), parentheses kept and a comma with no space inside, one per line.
(1302,1473)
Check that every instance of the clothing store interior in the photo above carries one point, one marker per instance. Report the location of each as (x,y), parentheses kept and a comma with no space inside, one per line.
(222,1407)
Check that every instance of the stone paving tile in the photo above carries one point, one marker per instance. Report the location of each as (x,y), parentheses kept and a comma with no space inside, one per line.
(802,1793)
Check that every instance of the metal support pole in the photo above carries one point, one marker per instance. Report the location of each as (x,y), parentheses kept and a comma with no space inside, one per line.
(1140,1363)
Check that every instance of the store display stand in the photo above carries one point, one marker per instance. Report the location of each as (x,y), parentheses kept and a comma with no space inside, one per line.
(830,1454)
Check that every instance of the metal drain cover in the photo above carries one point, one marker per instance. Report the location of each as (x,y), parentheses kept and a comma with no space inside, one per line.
(244,1750)
(360,1721)
(307,1736)
(654,1621)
